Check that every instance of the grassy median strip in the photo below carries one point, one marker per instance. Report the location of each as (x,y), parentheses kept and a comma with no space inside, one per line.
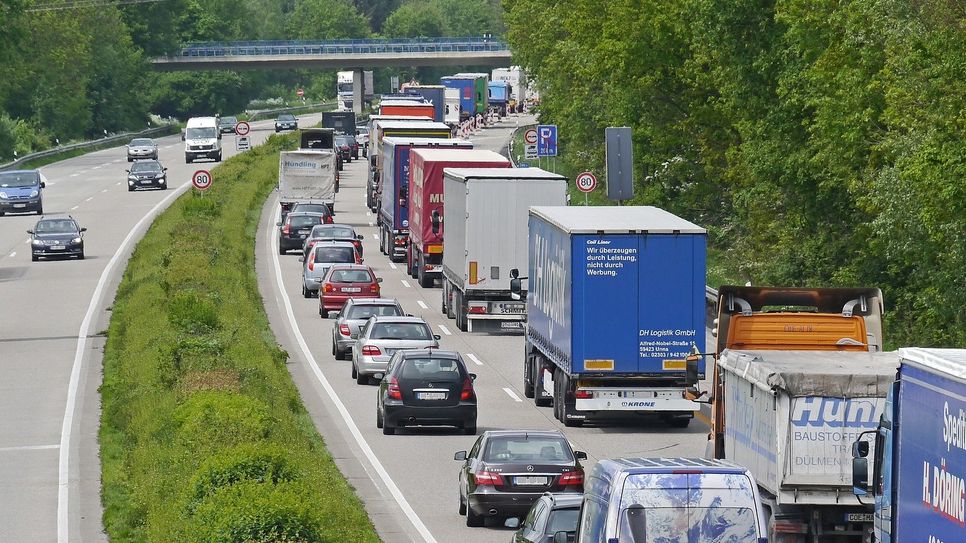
(203,434)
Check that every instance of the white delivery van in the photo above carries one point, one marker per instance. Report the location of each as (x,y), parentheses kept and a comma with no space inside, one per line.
(202,139)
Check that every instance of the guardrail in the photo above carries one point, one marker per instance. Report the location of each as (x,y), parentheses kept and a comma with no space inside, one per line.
(262,113)
(161,130)
(339,47)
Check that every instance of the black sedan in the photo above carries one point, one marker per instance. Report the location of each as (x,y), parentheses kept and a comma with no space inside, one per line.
(426,387)
(506,471)
(57,237)
(147,174)
(286,121)
(295,227)
(552,513)
(226,125)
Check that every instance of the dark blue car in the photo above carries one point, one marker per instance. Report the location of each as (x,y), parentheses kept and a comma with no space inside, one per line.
(21,191)
(60,236)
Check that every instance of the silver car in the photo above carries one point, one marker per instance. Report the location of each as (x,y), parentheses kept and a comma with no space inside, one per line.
(142,148)
(320,258)
(354,314)
(383,336)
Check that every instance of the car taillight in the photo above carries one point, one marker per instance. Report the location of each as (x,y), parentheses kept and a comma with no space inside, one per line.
(467,393)
(344,330)
(582,394)
(357,243)
(571,478)
(358,259)
(285,229)
(489,478)
(311,265)
(328,219)
(328,288)
(393,389)
(371,350)
(374,288)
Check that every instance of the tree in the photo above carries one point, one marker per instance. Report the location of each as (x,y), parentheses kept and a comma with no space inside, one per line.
(327,20)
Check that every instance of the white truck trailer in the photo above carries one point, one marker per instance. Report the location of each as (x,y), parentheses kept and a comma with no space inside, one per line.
(486,236)
(307,175)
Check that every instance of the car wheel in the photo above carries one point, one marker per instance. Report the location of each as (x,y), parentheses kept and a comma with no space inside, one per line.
(528,374)
(388,430)
(187,159)
(472,519)
(129,159)
(34,258)
(163,186)
(282,251)
(460,310)
(40,210)
(362,379)
(470,430)
(80,256)
(306,292)
(462,505)
(379,421)
(219,158)
(339,354)
(130,188)
(355,374)
(678,422)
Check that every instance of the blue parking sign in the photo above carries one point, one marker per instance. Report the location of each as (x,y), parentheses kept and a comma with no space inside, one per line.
(547,140)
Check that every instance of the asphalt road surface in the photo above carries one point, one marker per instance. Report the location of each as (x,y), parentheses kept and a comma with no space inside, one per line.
(409,481)
(50,352)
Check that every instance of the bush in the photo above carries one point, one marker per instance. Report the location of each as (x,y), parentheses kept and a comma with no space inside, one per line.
(246,463)
(213,419)
(192,313)
(256,513)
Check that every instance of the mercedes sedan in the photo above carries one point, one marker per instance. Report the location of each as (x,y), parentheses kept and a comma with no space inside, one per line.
(354,315)
(141,148)
(381,337)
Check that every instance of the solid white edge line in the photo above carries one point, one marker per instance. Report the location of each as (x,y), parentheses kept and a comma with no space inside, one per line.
(512,394)
(343,411)
(421,304)
(63,479)
(445,329)
(406,283)
(475,360)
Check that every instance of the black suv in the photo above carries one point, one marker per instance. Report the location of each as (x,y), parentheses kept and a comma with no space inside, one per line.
(57,237)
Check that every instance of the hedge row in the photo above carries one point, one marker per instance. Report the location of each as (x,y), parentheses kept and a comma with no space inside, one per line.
(203,434)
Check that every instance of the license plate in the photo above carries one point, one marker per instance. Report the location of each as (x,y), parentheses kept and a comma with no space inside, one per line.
(303,232)
(57,247)
(858,517)
(351,289)
(147,182)
(19,205)
(431,395)
(529,481)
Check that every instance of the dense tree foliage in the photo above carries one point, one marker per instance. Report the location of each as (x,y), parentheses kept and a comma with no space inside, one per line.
(821,143)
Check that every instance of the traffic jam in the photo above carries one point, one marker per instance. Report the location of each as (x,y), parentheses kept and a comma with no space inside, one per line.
(610,324)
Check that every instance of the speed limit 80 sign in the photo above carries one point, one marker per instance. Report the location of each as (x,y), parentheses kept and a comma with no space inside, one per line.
(201,179)
(586,182)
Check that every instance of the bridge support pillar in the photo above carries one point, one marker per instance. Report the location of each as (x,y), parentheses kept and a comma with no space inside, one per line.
(357,94)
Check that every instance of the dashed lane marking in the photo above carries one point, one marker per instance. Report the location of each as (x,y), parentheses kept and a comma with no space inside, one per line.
(406,283)
(421,304)
(445,329)
(512,394)
(475,360)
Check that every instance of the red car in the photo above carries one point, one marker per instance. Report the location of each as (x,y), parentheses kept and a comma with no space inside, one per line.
(344,281)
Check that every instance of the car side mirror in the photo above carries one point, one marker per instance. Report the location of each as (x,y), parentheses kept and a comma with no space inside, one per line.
(860,476)
(128,171)
(360,237)
(84,229)
(513,523)
(164,169)
(580,455)
(379,279)
(278,224)
(436,337)
(43,185)
(436,221)
(472,377)
(31,232)
(460,455)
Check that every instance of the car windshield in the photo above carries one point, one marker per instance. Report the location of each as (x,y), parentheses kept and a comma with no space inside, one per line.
(327,231)
(350,276)
(344,140)
(366,311)
(228,121)
(286,117)
(56,226)
(334,254)
(141,166)
(436,369)
(525,448)
(19,179)
(141,142)
(563,520)
(302,221)
(201,133)
(400,330)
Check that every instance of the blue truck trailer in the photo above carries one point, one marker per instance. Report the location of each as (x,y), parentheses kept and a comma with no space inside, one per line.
(919,468)
(393,216)
(436,95)
(616,301)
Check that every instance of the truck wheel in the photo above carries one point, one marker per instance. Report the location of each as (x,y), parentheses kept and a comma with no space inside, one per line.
(557,399)
(537,374)
(382,240)
(678,422)
(442,306)
(461,320)
(527,373)
(566,407)
(448,302)
(425,280)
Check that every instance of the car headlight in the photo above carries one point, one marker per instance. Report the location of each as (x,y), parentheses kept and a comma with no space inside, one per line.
(76,240)
(3,195)
(34,193)
(36,242)
(132,178)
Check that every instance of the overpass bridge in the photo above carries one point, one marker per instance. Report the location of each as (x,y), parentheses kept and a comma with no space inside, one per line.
(337,54)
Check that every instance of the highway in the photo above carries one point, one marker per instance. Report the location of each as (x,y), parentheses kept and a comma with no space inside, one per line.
(50,347)
(409,481)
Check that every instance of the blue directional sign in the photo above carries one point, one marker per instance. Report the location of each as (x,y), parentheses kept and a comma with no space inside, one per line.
(546,140)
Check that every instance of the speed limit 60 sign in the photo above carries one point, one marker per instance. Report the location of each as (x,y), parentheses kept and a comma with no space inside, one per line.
(586,182)
(201,179)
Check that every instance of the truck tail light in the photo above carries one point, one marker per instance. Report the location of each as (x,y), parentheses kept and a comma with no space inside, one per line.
(583,394)
(400,242)
(371,350)
(571,478)
(467,393)
(477,309)
(344,330)
(393,389)
(489,478)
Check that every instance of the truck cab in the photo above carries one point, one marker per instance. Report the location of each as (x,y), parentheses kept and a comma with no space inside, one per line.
(642,500)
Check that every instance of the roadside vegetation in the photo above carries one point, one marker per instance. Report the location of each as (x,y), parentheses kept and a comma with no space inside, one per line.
(821,144)
(203,435)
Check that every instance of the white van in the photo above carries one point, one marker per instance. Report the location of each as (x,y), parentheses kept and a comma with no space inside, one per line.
(202,139)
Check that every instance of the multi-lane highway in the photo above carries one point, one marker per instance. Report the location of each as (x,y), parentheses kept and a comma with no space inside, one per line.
(50,352)
(409,480)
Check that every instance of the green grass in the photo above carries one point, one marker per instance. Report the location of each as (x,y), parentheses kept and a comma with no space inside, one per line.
(203,434)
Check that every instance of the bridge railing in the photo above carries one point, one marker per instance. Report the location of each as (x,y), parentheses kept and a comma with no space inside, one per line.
(340,47)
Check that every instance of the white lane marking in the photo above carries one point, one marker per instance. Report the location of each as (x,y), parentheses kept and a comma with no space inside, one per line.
(375,236)
(74,174)
(115,161)
(421,304)
(343,411)
(97,167)
(13,254)
(393,266)
(29,448)
(368,213)
(89,199)
(26,240)
(73,208)
(512,394)
(105,190)
(406,283)
(119,182)
(371,223)
(445,329)
(475,360)
(63,479)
